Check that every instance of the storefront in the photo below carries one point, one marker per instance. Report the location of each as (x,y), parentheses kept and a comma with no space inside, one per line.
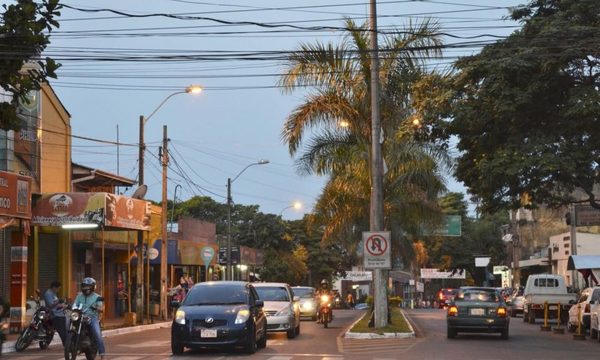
(15,215)
(102,229)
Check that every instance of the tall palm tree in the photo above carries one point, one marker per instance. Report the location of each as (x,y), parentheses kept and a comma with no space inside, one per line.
(339,80)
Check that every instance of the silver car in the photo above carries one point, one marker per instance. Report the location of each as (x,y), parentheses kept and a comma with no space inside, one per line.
(308,302)
(281,307)
(516,302)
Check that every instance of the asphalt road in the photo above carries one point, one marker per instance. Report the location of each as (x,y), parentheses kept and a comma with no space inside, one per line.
(526,342)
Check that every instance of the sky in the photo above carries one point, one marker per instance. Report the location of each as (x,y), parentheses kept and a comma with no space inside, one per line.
(119,65)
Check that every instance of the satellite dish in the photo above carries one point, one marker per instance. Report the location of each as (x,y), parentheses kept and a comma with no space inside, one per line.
(140,192)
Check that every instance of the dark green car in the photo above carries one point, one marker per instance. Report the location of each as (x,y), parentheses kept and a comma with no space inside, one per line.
(477,310)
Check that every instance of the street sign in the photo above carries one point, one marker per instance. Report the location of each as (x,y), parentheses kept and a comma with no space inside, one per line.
(437,274)
(207,253)
(482,261)
(452,227)
(359,276)
(586,215)
(500,269)
(376,250)
(420,287)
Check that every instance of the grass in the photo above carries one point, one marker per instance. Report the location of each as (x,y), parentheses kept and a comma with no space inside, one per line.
(398,325)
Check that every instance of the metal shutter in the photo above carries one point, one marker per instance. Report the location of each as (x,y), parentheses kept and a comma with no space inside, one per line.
(48,260)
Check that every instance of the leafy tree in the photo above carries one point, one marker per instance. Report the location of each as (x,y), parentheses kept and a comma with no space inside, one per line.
(339,75)
(24,34)
(526,109)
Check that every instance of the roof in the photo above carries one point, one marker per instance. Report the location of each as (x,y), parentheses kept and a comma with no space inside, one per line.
(577,262)
(95,177)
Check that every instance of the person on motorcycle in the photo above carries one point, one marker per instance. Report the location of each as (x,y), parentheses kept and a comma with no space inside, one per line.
(89,299)
(56,307)
(323,290)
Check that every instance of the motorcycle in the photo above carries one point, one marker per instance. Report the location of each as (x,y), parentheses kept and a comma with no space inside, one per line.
(39,329)
(79,337)
(325,315)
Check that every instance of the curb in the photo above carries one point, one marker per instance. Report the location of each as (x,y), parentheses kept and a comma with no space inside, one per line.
(9,346)
(355,335)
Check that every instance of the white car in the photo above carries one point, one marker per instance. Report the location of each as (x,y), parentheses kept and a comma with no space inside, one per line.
(281,307)
(594,304)
(587,297)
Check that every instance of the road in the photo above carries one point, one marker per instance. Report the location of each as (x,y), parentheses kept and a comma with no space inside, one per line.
(526,342)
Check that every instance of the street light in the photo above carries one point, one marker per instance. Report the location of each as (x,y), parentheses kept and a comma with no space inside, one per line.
(192,89)
(296,205)
(229,203)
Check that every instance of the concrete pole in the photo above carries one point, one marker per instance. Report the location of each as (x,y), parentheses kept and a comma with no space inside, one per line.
(163,242)
(229,272)
(376,214)
(139,297)
(573,229)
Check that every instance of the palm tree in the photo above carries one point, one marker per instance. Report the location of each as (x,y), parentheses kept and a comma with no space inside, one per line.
(339,79)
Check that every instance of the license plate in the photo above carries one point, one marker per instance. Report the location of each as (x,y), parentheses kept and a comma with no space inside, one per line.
(477,312)
(208,333)
(553,307)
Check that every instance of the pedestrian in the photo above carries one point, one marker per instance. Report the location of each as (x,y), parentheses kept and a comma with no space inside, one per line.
(190,281)
(350,300)
(57,310)
(183,282)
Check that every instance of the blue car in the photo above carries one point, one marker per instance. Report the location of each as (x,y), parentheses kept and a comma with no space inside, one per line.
(220,314)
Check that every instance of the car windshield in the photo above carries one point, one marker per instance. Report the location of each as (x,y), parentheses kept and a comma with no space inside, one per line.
(478,295)
(216,295)
(305,293)
(272,293)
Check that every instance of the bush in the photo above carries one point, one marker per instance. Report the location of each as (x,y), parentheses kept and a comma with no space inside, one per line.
(394,301)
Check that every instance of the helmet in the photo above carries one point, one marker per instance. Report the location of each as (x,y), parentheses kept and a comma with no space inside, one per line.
(88,285)
(324,283)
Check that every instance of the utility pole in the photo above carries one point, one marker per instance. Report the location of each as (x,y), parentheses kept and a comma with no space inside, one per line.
(573,231)
(229,272)
(516,243)
(376,214)
(163,243)
(139,298)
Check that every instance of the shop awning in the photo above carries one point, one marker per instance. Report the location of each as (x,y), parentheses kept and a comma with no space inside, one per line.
(113,211)
(577,262)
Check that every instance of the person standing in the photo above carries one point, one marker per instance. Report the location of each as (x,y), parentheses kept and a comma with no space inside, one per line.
(93,307)
(57,310)
(350,300)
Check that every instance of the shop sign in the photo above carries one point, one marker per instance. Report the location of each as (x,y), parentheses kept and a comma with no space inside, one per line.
(127,213)
(15,195)
(359,276)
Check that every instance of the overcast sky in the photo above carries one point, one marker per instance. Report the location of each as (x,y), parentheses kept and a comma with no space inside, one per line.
(237,120)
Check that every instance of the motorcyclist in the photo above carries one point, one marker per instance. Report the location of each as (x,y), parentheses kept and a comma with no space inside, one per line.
(92,308)
(56,307)
(323,290)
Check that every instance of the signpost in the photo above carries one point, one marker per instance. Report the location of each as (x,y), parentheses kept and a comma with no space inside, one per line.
(376,250)
(452,227)
(207,253)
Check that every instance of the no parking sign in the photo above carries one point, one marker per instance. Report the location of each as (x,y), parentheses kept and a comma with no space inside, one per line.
(376,250)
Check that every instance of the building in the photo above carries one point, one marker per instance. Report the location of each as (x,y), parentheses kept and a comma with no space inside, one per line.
(560,250)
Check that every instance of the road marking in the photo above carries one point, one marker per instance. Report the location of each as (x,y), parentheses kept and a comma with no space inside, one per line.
(280,358)
(155,343)
(128,358)
(375,346)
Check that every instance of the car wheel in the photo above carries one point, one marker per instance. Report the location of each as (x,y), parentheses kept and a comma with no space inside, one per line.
(291,333)
(524,317)
(298,329)
(451,333)
(532,317)
(251,346)
(314,317)
(504,334)
(176,349)
(262,343)
(513,313)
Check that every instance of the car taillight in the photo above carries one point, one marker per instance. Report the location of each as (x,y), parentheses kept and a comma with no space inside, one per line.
(441,296)
(452,311)
(501,312)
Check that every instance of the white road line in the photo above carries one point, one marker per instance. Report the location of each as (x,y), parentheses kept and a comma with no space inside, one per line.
(280,358)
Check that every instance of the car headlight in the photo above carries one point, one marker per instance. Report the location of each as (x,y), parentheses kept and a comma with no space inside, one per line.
(242,316)
(285,312)
(180,317)
(308,306)
(74,316)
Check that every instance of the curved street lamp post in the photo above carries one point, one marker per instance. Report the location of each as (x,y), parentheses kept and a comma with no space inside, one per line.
(229,203)
(192,89)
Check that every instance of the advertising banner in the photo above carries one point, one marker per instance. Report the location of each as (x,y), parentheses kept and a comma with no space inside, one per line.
(92,208)
(15,195)
(27,139)
(437,274)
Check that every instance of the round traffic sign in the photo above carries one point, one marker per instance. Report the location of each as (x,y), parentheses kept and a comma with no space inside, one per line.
(376,245)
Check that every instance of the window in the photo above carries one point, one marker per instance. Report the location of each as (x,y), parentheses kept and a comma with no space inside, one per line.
(272,293)
(543,282)
(567,246)
(478,295)
(216,295)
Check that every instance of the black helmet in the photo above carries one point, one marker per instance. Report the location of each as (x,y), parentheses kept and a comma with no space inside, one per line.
(88,285)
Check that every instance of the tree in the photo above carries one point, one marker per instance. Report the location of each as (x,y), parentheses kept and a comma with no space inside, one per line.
(24,34)
(339,77)
(526,109)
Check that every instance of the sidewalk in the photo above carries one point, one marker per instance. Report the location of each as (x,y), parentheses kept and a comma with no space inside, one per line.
(111,327)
